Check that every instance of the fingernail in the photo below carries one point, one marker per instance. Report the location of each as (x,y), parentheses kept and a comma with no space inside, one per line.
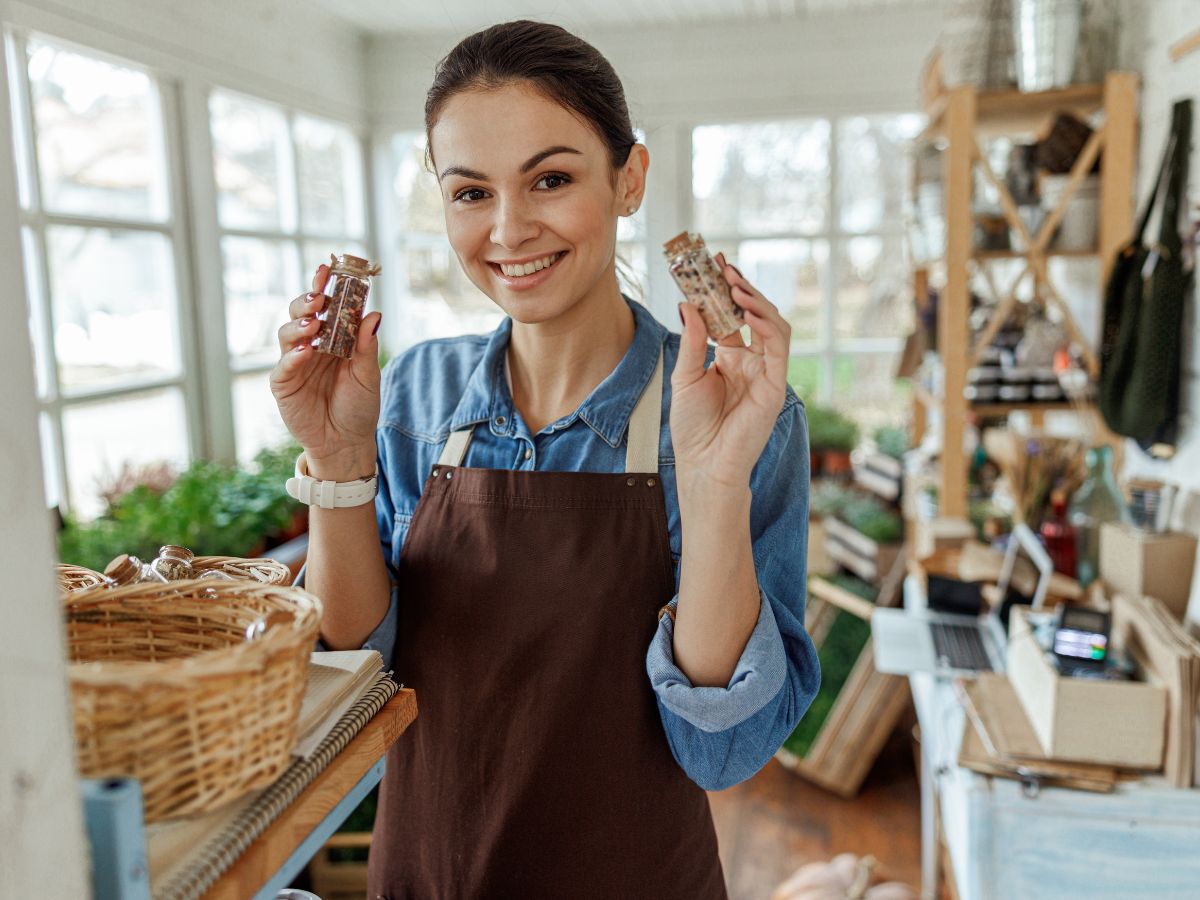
(375,330)
(314,297)
(736,269)
(305,322)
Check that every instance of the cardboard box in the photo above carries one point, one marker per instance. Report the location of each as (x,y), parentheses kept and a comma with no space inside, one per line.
(1119,723)
(1148,565)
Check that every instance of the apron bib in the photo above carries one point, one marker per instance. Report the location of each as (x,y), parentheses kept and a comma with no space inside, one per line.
(538,766)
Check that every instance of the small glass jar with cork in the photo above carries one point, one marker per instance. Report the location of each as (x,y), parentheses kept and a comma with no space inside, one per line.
(703,285)
(346,292)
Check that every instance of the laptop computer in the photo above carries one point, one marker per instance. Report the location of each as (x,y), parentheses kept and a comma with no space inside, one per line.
(909,640)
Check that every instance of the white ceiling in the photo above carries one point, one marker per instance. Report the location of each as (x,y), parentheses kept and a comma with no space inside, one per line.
(421,17)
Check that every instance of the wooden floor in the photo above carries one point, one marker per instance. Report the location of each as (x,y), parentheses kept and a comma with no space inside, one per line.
(776,822)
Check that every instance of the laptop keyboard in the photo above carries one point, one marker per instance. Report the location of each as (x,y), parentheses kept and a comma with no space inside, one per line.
(960,647)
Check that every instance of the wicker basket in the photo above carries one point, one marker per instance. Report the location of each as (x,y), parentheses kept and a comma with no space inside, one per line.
(266,571)
(166,689)
(77,578)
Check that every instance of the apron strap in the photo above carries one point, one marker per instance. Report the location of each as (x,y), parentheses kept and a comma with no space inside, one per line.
(645,423)
(645,426)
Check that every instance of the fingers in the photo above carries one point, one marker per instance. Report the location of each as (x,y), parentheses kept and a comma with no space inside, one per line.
(775,345)
(297,331)
(292,369)
(693,347)
(365,361)
(306,305)
(320,277)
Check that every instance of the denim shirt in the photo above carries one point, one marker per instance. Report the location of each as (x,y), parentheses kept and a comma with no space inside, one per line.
(719,735)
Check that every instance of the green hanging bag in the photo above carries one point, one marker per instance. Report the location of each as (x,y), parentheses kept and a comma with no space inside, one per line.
(1141,351)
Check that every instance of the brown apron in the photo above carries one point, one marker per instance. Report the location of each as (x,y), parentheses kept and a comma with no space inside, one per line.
(538,766)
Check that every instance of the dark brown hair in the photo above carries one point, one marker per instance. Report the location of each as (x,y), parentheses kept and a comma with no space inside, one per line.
(565,68)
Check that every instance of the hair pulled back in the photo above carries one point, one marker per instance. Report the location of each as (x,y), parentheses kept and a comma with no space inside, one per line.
(563,67)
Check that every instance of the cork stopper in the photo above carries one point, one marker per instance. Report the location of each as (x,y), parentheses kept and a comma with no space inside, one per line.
(123,569)
(352,265)
(684,242)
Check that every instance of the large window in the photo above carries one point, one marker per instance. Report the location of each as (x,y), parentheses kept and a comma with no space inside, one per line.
(105,265)
(812,211)
(113,258)
(290,191)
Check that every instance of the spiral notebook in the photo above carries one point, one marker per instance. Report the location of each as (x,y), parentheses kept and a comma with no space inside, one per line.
(187,856)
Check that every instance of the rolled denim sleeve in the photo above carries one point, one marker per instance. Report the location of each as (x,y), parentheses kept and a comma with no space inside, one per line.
(721,736)
(383,638)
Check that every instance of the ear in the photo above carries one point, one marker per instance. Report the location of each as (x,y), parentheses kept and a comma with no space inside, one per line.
(631,181)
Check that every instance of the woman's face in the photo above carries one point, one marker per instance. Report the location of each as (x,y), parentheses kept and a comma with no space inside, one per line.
(531,199)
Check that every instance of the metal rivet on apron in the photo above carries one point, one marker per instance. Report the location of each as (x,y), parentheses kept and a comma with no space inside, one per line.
(436,474)
(449,475)
(631,481)
(650,482)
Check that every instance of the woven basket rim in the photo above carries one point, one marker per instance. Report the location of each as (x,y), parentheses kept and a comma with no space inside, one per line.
(246,656)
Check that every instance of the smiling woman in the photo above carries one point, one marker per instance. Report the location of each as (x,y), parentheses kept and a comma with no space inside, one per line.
(580,452)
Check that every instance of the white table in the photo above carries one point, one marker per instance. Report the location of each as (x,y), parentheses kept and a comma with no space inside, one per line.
(1007,842)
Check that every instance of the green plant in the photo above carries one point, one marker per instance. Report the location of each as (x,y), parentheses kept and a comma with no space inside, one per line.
(838,654)
(212,509)
(828,429)
(870,517)
(891,441)
(828,498)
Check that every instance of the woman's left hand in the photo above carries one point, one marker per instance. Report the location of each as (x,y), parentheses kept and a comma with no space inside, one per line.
(722,416)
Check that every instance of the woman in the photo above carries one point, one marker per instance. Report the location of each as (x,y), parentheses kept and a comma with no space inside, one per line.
(535,512)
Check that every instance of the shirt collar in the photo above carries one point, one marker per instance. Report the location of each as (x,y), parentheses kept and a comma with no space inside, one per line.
(606,409)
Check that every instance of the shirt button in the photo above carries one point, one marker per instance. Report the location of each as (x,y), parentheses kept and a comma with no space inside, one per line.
(528,452)
(499,420)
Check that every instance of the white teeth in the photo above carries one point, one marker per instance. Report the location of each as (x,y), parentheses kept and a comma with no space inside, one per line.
(537,265)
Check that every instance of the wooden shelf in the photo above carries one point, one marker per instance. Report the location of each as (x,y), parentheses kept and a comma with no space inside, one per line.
(1012,112)
(1004,409)
(1022,254)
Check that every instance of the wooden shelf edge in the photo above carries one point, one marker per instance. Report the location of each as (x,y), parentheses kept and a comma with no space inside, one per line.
(1007,105)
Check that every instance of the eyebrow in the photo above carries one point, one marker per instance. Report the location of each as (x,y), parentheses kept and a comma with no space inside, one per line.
(529,164)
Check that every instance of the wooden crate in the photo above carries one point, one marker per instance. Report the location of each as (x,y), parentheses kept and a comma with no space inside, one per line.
(867,559)
(869,704)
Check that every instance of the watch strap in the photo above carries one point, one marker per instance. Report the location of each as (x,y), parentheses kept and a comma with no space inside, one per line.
(330,494)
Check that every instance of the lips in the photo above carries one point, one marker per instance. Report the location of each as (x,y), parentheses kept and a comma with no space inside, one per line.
(527,274)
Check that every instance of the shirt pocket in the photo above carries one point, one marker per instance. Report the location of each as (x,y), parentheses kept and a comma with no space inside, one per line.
(400,526)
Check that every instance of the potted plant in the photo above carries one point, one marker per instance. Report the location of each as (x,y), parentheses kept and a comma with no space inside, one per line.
(831,437)
(865,537)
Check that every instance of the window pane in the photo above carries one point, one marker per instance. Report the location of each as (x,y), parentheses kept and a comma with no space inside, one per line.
(329,166)
(101,438)
(874,294)
(99,136)
(790,274)
(416,198)
(763,178)
(252,163)
(261,278)
(865,387)
(114,306)
(317,252)
(806,375)
(875,170)
(255,416)
(49,441)
(438,298)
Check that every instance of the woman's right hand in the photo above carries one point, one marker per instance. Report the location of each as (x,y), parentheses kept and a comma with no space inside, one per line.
(329,404)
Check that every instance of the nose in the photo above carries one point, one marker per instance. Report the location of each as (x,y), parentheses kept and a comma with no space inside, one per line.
(515,223)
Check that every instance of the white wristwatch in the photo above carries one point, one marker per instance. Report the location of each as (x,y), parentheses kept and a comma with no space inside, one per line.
(330,494)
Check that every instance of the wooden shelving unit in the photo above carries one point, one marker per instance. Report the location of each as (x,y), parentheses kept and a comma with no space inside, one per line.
(963,117)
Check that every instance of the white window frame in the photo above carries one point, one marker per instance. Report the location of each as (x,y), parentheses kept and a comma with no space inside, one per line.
(34,219)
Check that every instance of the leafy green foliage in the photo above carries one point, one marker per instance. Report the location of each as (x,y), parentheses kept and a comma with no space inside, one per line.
(828,497)
(891,441)
(828,429)
(867,515)
(838,654)
(212,509)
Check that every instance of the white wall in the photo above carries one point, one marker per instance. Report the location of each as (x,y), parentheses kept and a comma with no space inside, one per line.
(43,851)
(1164,23)
(836,63)
(288,52)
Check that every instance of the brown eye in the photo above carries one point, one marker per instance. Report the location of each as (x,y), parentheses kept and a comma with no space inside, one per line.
(553,180)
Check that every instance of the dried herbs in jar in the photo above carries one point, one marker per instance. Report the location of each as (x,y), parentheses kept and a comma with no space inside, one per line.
(703,285)
(346,292)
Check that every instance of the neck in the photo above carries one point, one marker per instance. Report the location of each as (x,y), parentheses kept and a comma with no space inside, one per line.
(557,363)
